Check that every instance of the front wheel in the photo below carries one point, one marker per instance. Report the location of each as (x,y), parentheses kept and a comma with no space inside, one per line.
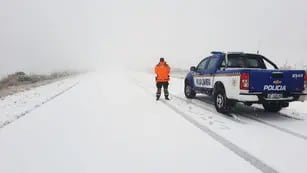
(221,101)
(188,91)
(272,107)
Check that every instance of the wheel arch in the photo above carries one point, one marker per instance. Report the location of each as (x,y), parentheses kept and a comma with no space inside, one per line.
(219,85)
(189,91)
(189,81)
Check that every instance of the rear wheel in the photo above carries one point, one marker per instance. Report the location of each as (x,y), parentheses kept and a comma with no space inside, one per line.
(221,102)
(272,107)
(188,91)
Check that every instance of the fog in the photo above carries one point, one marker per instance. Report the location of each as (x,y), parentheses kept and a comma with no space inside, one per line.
(51,35)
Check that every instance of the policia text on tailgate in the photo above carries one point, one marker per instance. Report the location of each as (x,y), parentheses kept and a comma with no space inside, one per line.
(249,78)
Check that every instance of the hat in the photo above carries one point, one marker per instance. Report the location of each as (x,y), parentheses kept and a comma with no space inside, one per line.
(161,59)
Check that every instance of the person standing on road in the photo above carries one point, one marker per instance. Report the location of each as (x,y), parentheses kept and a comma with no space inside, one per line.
(162,71)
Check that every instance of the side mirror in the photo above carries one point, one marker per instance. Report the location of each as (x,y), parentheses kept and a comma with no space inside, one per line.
(193,68)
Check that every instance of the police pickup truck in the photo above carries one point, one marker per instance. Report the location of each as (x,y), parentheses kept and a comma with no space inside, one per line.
(249,78)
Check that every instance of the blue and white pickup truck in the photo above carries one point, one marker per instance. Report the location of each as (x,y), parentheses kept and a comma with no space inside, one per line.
(249,78)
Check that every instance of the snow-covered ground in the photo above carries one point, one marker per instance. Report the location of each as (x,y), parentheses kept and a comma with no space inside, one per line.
(15,106)
(102,122)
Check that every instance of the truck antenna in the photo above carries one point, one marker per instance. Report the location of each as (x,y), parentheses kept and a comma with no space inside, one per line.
(258,47)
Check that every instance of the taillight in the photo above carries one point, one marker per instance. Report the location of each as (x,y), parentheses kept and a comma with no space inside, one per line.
(244,81)
(305,81)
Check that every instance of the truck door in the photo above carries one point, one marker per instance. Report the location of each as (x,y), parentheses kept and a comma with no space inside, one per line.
(203,77)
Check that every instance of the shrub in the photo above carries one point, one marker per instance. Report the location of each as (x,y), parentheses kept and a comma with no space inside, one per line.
(20,73)
(24,78)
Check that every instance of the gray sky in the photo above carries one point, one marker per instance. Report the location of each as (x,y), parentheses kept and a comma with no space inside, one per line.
(48,35)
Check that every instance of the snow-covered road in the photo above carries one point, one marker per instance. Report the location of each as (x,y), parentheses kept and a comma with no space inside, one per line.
(112,123)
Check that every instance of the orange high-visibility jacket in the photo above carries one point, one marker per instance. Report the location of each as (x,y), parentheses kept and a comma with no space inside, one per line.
(162,71)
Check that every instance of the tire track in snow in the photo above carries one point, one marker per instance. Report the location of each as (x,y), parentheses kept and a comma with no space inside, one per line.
(258,164)
(199,103)
(234,148)
(275,126)
(36,106)
(259,120)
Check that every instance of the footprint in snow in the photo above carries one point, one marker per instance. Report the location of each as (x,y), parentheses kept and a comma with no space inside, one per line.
(222,127)
(218,121)
(203,118)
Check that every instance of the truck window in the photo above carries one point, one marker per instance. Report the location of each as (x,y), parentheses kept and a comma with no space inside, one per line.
(212,63)
(245,61)
(235,62)
(203,64)
(223,65)
(253,63)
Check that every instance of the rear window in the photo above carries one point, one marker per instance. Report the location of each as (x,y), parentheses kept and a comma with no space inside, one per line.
(245,61)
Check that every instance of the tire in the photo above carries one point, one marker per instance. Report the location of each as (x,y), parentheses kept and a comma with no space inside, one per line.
(221,102)
(272,107)
(188,91)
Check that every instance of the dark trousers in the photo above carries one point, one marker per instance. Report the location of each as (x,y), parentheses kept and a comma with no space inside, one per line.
(165,89)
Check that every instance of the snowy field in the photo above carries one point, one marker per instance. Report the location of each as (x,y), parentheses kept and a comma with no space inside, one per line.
(102,122)
(15,106)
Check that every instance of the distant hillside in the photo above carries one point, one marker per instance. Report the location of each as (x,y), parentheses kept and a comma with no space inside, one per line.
(21,78)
